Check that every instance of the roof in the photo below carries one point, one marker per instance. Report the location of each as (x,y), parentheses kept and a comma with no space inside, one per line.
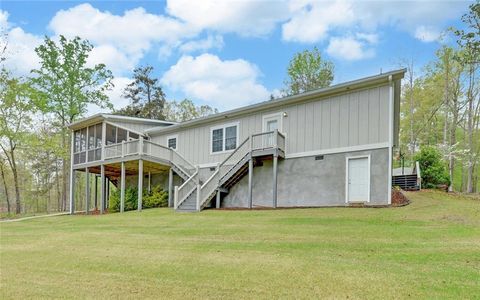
(382,78)
(110,117)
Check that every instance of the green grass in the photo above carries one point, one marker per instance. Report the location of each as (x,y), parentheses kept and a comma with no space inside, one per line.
(429,249)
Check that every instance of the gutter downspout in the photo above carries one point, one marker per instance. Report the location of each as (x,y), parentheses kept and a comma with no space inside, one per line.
(390,138)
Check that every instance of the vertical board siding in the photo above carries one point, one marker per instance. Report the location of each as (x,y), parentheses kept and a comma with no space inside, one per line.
(351,119)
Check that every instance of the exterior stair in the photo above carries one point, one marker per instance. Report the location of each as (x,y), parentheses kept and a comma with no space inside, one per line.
(195,195)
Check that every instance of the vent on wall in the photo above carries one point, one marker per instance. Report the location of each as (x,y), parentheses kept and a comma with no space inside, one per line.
(319,157)
(212,169)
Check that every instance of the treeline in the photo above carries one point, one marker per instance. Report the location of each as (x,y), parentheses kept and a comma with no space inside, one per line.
(36,110)
(441,106)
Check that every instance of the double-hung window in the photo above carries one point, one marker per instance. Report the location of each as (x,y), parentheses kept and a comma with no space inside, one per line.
(224,138)
(172,142)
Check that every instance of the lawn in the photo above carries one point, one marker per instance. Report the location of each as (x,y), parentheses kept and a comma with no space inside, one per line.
(428,249)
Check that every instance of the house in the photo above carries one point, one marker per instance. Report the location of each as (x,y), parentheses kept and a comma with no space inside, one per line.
(328,147)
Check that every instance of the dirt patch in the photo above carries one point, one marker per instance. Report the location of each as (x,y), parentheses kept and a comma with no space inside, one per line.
(399,198)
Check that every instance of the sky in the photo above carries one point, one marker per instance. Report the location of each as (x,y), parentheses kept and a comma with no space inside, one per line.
(229,54)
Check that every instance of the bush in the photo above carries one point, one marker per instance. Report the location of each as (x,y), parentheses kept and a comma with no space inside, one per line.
(432,167)
(156,198)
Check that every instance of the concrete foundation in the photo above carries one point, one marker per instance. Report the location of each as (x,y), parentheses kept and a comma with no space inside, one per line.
(309,182)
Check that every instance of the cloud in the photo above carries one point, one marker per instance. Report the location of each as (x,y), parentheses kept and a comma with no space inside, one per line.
(246,18)
(427,34)
(115,96)
(211,42)
(349,48)
(313,20)
(20,52)
(224,84)
(129,36)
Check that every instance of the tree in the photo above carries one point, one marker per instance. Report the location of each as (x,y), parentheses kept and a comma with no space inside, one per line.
(147,99)
(4,181)
(432,167)
(308,71)
(68,86)
(186,110)
(15,116)
(469,41)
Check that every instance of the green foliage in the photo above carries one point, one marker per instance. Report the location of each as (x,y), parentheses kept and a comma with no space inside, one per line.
(308,71)
(65,81)
(157,197)
(432,167)
(147,99)
(186,110)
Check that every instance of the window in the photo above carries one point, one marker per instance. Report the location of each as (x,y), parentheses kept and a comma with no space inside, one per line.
(111,134)
(224,138)
(172,142)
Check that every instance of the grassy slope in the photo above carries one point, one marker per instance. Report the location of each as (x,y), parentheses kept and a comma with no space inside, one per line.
(430,248)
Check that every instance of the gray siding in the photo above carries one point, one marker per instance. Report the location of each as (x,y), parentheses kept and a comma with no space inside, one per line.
(355,118)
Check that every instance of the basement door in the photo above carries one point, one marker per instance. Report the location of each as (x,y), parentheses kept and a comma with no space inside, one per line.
(358,179)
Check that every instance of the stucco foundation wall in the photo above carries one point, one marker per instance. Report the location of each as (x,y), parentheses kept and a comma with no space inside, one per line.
(309,182)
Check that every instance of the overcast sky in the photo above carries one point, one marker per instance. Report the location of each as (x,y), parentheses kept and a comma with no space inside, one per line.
(231,53)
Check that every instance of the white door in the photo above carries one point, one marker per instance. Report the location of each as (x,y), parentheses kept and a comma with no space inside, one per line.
(271,123)
(358,179)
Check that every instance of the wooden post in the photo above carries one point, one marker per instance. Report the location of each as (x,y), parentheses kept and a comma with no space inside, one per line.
(198,196)
(275,166)
(175,197)
(107,198)
(122,188)
(87,190)
(102,187)
(72,175)
(140,184)
(250,175)
(217,204)
(170,187)
(250,182)
(95,197)
(149,182)
(72,191)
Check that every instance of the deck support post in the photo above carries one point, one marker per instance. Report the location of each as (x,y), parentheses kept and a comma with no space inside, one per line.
(87,190)
(107,198)
(95,197)
(149,182)
(274,190)
(72,191)
(122,187)
(140,184)
(250,182)
(102,189)
(217,204)
(170,187)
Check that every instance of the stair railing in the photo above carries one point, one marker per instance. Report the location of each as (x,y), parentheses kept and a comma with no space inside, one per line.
(181,193)
(222,169)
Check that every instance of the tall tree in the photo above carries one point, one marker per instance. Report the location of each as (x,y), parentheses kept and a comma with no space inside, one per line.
(4,182)
(16,108)
(186,110)
(469,41)
(69,85)
(308,71)
(147,99)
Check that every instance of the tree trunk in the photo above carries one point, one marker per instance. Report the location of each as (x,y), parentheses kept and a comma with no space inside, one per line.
(7,197)
(470,130)
(64,169)
(57,185)
(13,166)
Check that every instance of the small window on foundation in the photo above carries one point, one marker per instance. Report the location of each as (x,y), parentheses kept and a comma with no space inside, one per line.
(319,157)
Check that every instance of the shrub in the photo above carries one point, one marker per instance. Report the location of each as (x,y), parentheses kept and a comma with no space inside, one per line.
(156,198)
(432,167)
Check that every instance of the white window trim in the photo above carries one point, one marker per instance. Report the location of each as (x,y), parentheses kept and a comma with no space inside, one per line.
(279,115)
(175,136)
(347,160)
(223,126)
